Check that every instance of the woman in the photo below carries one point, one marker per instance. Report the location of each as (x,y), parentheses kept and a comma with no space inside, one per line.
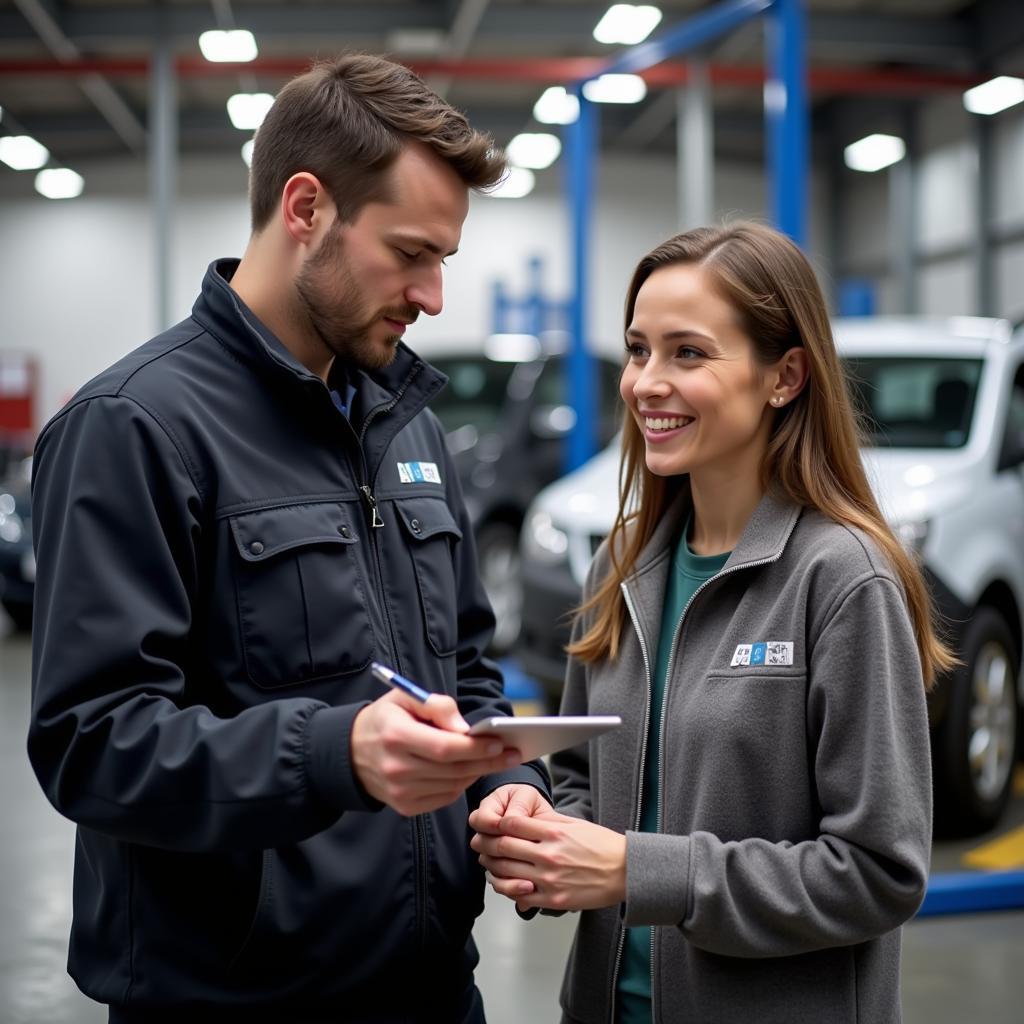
(746,846)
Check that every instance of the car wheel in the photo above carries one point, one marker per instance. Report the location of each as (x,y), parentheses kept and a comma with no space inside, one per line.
(20,614)
(975,745)
(498,557)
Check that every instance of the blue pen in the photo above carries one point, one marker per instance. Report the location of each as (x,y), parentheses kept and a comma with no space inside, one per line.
(390,677)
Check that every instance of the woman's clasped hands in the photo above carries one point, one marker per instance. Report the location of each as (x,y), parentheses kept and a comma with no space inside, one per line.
(540,858)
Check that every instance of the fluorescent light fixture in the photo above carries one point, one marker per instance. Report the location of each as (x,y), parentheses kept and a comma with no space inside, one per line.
(535,150)
(247,152)
(615,89)
(517,183)
(995,95)
(22,152)
(556,106)
(247,109)
(874,152)
(627,23)
(238,45)
(416,42)
(59,183)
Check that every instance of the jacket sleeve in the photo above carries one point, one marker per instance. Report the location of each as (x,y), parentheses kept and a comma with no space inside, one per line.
(866,871)
(120,738)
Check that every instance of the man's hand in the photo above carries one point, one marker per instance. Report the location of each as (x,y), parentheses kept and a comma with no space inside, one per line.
(554,861)
(416,757)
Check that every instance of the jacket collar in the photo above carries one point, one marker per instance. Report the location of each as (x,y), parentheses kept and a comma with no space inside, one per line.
(763,540)
(405,385)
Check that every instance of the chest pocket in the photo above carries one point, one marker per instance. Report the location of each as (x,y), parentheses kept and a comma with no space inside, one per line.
(301,600)
(431,531)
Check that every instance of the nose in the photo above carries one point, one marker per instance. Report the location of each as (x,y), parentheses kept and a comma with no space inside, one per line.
(426,291)
(651,382)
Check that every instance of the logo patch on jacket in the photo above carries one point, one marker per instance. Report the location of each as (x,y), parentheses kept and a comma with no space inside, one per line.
(770,652)
(418,472)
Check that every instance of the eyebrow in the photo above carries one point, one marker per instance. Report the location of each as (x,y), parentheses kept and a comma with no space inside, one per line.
(632,332)
(424,244)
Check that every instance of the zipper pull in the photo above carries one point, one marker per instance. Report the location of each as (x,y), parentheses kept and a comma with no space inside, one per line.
(371,501)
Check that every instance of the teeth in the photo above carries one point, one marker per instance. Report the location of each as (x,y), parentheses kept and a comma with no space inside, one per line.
(667,422)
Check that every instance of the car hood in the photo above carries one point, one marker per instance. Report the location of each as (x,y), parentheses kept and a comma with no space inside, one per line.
(915,485)
(588,497)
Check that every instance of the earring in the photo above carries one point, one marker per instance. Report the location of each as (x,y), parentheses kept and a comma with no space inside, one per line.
(777,400)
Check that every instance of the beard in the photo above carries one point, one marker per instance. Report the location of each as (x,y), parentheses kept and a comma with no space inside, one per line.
(328,299)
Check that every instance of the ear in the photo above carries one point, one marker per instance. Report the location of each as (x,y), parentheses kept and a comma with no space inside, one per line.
(791,373)
(306,208)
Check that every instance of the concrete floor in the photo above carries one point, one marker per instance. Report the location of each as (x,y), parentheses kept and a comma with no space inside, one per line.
(957,970)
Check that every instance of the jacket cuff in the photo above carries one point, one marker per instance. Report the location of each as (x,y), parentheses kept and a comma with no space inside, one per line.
(329,759)
(532,773)
(657,879)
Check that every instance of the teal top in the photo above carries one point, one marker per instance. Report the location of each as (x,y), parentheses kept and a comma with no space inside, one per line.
(688,573)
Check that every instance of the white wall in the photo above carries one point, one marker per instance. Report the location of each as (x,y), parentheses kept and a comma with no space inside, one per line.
(945,210)
(76,277)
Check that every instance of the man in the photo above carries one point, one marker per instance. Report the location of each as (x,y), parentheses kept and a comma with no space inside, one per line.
(231,524)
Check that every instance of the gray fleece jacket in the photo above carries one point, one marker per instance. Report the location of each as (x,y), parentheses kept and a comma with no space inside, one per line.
(795,812)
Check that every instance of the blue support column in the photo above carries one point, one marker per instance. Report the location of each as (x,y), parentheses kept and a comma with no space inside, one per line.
(786,115)
(581,139)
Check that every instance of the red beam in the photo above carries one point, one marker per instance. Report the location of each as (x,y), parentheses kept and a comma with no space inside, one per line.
(545,71)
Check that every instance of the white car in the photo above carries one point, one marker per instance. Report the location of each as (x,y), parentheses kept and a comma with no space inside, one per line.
(944,407)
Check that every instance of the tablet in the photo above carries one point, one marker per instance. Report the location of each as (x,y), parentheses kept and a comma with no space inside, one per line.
(545,734)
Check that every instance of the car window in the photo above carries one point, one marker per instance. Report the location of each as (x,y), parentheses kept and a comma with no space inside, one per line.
(1013,436)
(551,387)
(909,402)
(475,393)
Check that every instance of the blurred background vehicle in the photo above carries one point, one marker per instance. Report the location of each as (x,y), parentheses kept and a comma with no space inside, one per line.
(17,563)
(506,420)
(943,408)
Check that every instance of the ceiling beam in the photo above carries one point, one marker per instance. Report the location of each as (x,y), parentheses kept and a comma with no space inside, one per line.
(913,40)
(103,95)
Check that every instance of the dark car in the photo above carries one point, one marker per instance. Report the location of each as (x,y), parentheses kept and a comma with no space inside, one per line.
(507,422)
(17,562)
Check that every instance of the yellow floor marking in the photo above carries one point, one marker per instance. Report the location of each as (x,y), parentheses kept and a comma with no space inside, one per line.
(1000,854)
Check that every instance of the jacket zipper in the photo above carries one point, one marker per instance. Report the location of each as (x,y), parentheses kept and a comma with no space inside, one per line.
(639,787)
(419,829)
(664,706)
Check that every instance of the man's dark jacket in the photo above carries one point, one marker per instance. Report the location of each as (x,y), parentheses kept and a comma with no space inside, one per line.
(211,590)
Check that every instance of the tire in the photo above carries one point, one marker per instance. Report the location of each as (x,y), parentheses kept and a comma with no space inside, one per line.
(20,614)
(974,747)
(498,558)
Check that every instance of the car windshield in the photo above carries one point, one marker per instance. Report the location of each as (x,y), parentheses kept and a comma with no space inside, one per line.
(475,392)
(910,402)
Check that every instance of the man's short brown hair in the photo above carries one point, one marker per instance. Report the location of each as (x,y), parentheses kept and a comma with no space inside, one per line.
(346,120)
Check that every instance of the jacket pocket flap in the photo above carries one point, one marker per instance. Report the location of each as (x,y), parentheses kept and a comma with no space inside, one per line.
(427,517)
(267,532)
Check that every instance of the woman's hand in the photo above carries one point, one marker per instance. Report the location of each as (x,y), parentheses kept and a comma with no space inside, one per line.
(554,861)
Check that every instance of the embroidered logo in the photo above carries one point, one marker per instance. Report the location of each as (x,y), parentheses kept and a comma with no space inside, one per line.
(418,473)
(771,652)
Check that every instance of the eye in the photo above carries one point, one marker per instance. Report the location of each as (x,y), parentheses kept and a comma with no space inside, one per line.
(635,350)
(409,257)
(688,353)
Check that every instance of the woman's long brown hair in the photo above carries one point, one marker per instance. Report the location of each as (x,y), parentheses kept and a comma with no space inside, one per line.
(813,454)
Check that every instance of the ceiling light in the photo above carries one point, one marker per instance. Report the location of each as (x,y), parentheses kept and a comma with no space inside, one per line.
(536,150)
(517,183)
(416,42)
(874,152)
(59,183)
(556,106)
(247,152)
(995,95)
(615,89)
(22,152)
(236,46)
(247,109)
(627,23)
